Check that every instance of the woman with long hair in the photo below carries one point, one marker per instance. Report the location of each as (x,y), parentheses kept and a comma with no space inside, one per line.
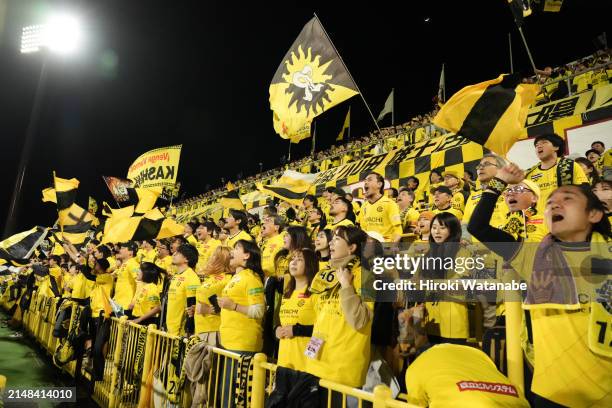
(566,338)
(339,349)
(447,318)
(242,301)
(242,308)
(217,274)
(146,303)
(321,242)
(297,310)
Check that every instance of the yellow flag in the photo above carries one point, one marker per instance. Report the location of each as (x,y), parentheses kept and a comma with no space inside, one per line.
(491,113)
(156,168)
(232,200)
(152,225)
(291,187)
(310,80)
(48,195)
(92,206)
(74,221)
(347,125)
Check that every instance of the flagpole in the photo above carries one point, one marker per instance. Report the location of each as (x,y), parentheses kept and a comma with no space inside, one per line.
(289,155)
(533,66)
(349,72)
(393,108)
(349,129)
(510,50)
(314,137)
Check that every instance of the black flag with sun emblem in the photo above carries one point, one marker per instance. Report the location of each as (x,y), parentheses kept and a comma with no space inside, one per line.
(310,80)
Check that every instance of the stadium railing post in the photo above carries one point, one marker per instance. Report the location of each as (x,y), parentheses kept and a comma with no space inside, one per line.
(514,351)
(258,387)
(382,393)
(148,356)
(116,361)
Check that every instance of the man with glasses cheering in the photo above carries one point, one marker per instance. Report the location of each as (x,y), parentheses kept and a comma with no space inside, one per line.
(486,170)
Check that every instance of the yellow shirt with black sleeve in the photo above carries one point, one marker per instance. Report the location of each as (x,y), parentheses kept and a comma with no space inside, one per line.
(212,285)
(238,331)
(498,219)
(231,241)
(547,180)
(146,299)
(382,216)
(269,248)
(125,286)
(298,309)
(56,273)
(205,251)
(183,285)
(451,375)
(344,356)
(450,210)
(568,368)
(344,223)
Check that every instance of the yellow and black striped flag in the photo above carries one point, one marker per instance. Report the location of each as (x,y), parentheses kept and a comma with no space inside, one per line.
(310,80)
(143,198)
(17,248)
(346,126)
(231,200)
(152,225)
(491,113)
(74,221)
(291,187)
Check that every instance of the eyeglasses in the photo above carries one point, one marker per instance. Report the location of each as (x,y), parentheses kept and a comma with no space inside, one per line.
(517,190)
(485,164)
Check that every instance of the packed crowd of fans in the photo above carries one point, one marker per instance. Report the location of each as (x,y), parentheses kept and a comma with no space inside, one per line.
(293,283)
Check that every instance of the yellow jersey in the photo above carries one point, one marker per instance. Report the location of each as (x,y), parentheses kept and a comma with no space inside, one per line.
(450,210)
(269,248)
(566,370)
(409,217)
(231,240)
(345,222)
(237,331)
(458,201)
(125,287)
(147,256)
(101,292)
(205,251)
(498,219)
(146,299)
(79,287)
(450,375)
(382,216)
(183,285)
(212,285)
(299,308)
(344,356)
(547,180)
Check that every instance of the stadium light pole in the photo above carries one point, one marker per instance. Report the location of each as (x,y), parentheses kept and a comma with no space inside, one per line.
(62,34)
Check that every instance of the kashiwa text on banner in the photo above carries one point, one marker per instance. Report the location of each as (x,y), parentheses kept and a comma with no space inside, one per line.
(156,168)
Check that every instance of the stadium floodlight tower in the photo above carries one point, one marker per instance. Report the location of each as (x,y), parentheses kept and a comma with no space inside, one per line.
(61,34)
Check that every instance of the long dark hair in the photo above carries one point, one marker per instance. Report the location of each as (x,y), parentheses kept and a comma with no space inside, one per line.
(150,272)
(311,267)
(446,249)
(253,262)
(299,239)
(352,235)
(328,235)
(593,175)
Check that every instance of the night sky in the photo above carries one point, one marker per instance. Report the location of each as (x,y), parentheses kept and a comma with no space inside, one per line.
(158,73)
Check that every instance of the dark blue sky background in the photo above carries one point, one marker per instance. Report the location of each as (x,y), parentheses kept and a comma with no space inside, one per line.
(196,73)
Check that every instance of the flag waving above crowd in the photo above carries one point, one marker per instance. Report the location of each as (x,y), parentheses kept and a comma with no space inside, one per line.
(310,80)
(156,168)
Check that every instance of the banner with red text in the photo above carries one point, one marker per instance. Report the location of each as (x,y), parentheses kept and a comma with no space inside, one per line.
(156,168)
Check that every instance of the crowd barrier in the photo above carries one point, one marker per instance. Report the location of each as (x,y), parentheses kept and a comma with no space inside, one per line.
(144,367)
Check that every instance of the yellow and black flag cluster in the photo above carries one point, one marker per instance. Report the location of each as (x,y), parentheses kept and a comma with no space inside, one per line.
(292,187)
(74,221)
(310,80)
(231,200)
(492,113)
(17,248)
(151,225)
